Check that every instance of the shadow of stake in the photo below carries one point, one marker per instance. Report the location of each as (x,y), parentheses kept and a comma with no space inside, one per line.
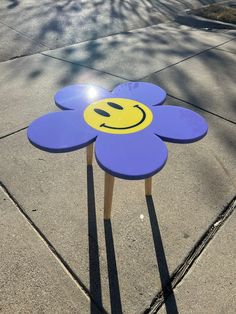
(168,293)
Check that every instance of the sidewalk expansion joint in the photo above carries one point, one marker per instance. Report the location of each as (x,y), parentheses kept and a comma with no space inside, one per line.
(83,65)
(187,58)
(18,57)
(124,32)
(12,133)
(76,43)
(181,271)
(203,109)
(53,250)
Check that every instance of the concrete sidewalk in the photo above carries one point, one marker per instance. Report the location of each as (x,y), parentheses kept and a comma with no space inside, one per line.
(210,287)
(27,26)
(59,255)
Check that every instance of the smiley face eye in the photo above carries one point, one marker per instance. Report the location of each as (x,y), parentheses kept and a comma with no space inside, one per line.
(102,112)
(115,106)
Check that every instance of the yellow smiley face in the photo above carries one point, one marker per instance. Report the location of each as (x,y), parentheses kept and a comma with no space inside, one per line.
(118,115)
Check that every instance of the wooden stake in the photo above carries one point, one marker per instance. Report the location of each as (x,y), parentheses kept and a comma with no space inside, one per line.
(90,154)
(108,192)
(148,186)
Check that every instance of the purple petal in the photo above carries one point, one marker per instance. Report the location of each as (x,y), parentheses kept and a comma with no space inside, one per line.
(146,93)
(80,95)
(178,125)
(133,156)
(61,132)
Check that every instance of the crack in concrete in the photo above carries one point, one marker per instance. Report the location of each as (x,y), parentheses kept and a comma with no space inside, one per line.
(53,250)
(192,257)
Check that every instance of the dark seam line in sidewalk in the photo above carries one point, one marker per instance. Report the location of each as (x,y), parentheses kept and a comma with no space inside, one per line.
(183,60)
(51,247)
(80,42)
(234,53)
(127,32)
(203,109)
(181,271)
(21,56)
(24,35)
(84,66)
(182,100)
(132,30)
(126,79)
(12,133)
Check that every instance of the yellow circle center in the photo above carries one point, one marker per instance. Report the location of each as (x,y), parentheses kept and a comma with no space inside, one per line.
(118,115)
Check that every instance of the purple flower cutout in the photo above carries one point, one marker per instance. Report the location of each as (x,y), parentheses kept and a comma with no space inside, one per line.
(128,125)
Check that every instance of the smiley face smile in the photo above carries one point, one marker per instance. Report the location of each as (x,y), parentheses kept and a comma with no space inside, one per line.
(118,116)
(127,127)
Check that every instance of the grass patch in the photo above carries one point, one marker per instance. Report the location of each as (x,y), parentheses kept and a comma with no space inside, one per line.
(217,12)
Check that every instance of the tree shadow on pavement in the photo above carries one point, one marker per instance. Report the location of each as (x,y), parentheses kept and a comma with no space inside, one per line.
(13,3)
(60,23)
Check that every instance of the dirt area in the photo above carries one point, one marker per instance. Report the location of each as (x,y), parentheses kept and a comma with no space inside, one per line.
(217,12)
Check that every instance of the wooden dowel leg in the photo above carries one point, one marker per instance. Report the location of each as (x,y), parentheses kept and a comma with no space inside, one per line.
(90,154)
(148,186)
(108,192)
